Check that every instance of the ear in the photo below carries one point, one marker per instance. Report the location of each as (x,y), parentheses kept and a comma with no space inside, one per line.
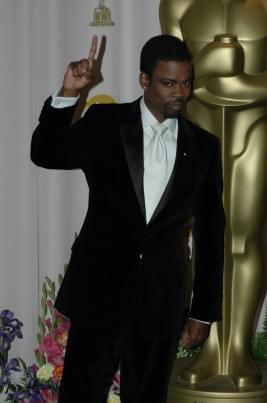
(144,80)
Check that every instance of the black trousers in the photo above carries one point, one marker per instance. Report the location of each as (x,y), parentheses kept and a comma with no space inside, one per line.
(93,356)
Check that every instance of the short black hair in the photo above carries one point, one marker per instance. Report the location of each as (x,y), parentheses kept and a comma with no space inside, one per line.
(162,47)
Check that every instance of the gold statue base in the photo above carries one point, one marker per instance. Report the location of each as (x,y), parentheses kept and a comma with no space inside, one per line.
(219,389)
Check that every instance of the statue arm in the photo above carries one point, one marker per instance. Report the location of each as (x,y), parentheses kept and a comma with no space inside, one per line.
(243,89)
(220,78)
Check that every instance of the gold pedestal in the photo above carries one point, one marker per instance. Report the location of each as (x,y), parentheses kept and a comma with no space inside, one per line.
(219,389)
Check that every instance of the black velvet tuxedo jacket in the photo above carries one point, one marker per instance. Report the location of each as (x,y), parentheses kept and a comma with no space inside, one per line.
(121,267)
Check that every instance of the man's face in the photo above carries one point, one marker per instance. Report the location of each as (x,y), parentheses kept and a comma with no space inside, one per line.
(168,89)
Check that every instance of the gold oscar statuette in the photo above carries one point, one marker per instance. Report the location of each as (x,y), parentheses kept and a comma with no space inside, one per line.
(227,39)
(102,16)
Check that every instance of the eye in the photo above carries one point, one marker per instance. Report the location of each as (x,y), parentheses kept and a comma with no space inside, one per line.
(187,83)
(167,83)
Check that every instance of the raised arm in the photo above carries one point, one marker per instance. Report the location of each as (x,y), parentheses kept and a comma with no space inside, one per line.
(79,73)
(56,143)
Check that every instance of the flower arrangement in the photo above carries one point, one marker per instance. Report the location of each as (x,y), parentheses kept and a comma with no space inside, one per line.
(114,394)
(259,341)
(258,345)
(187,352)
(52,339)
(17,381)
(40,382)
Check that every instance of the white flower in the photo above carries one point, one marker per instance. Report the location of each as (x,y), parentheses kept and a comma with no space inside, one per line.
(112,398)
(19,378)
(45,372)
(4,395)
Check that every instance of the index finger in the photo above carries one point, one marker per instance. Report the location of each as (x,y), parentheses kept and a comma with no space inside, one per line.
(93,48)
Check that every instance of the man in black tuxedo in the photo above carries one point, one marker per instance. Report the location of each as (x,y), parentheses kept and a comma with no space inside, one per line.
(149,171)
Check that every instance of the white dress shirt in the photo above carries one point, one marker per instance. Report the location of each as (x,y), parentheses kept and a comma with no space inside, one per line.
(148,120)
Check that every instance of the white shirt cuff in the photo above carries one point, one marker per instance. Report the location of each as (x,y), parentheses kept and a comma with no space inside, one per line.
(201,321)
(63,102)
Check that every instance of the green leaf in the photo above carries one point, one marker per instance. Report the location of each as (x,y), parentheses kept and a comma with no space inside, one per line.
(44,311)
(44,308)
(187,352)
(52,295)
(40,320)
(60,279)
(39,338)
(53,287)
(49,282)
(4,357)
(41,326)
(40,358)
(265,321)
(44,292)
(21,364)
(259,346)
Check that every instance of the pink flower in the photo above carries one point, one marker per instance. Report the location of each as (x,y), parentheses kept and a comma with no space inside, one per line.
(47,395)
(60,316)
(34,367)
(53,351)
(49,303)
(62,328)
(61,333)
(115,388)
(48,323)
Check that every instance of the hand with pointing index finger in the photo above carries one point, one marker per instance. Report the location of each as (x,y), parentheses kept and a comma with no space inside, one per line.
(79,73)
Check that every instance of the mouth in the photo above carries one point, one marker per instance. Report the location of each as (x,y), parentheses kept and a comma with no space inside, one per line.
(176,104)
(172,109)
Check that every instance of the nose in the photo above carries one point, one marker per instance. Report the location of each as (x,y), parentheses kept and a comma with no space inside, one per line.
(179,90)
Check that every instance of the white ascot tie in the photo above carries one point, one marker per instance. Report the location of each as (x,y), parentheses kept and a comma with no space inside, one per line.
(155,169)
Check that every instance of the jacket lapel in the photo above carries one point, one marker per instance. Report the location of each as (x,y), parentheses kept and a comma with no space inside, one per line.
(132,140)
(131,133)
(184,153)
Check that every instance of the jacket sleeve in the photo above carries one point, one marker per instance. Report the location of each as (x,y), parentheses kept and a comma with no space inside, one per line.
(208,234)
(58,144)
